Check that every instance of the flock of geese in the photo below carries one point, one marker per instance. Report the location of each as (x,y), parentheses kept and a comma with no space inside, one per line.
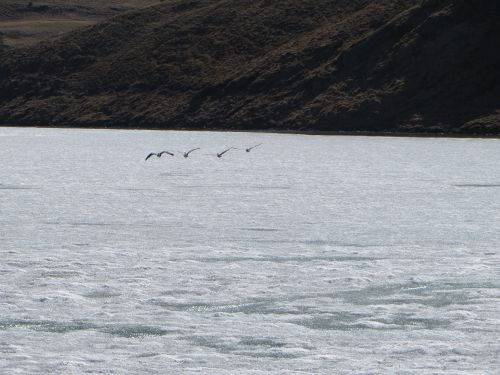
(186,154)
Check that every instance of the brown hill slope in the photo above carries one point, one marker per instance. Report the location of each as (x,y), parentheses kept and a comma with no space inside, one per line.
(348,65)
(25,22)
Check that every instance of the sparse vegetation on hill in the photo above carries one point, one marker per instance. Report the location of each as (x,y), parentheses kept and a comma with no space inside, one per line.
(345,65)
(28,22)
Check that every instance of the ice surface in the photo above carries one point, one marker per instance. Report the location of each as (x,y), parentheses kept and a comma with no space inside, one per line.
(311,254)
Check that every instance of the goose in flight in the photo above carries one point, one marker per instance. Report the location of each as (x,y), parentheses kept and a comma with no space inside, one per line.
(251,148)
(158,154)
(186,154)
(219,155)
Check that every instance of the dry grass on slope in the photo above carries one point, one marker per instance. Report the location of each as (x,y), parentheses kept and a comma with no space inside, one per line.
(348,65)
(25,23)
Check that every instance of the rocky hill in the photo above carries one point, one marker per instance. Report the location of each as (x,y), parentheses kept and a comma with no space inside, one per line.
(344,65)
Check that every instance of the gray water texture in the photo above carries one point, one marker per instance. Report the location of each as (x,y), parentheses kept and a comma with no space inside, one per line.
(308,255)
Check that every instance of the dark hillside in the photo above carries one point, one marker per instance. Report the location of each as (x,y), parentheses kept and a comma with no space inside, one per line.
(345,65)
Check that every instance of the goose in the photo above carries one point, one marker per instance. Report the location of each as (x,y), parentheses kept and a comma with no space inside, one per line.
(159,154)
(251,148)
(219,155)
(186,154)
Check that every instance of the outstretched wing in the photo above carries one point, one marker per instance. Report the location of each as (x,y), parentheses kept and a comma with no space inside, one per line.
(251,148)
(190,151)
(223,152)
(166,152)
(151,154)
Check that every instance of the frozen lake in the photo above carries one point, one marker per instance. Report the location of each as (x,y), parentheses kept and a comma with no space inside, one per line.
(310,254)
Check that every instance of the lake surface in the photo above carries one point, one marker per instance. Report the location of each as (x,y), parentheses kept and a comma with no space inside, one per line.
(310,254)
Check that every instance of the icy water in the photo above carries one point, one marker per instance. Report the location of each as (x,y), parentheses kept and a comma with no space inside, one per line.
(311,254)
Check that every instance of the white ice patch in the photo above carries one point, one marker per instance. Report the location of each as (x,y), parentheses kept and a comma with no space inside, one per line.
(309,255)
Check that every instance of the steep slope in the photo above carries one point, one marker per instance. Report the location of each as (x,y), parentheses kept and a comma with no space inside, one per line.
(345,65)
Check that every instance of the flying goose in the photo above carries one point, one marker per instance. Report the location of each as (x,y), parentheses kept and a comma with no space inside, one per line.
(186,154)
(219,155)
(159,154)
(251,148)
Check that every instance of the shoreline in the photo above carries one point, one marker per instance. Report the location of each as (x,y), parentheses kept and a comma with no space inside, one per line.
(274,131)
